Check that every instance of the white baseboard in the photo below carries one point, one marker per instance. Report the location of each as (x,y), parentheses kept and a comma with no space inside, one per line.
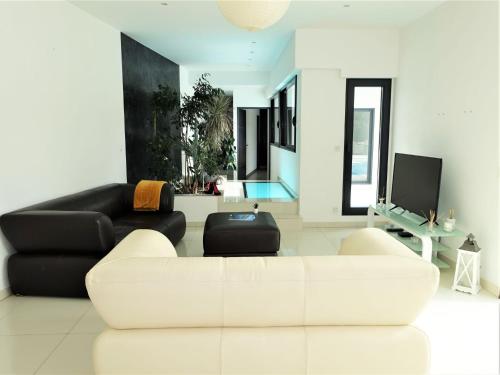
(4,293)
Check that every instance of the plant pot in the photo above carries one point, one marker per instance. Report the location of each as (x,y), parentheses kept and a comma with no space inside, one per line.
(196,207)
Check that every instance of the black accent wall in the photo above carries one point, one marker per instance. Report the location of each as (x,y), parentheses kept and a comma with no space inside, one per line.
(143,70)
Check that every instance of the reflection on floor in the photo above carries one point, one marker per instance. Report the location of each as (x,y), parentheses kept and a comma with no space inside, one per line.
(258,174)
(56,336)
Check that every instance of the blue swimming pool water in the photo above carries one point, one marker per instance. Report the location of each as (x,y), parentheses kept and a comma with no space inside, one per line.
(359,169)
(266,190)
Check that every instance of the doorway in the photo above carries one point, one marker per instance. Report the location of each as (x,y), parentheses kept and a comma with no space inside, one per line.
(366,143)
(253,141)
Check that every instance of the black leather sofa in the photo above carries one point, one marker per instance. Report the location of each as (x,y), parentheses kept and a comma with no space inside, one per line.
(57,242)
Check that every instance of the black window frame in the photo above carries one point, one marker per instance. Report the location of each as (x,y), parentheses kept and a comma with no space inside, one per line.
(351,84)
(272,118)
(283,123)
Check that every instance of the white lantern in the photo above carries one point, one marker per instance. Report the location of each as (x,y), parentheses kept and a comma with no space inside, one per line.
(253,15)
(467,271)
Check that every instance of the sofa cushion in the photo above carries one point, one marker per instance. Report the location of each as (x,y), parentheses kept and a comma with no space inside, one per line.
(57,275)
(68,232)
(107,199)
(172,225)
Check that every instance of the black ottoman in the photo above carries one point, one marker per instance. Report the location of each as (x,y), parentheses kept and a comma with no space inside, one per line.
(232,238)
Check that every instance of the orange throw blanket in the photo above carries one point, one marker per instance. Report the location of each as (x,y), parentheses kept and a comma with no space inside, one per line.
(147,195)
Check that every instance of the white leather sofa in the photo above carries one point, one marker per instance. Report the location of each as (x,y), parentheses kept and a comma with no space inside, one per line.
(344,314)
(374,280)
(394,350)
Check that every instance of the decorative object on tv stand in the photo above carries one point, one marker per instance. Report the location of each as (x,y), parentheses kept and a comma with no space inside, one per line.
(449,223)
(381,203)
(253,15)
(431,220)
(467,272)
(255,208)
(381,200)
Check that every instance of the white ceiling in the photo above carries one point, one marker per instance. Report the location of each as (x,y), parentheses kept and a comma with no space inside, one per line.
(194,33)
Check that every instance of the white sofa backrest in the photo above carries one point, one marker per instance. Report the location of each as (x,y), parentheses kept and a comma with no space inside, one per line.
(142,284)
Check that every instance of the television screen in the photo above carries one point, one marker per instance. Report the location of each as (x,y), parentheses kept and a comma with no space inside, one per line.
(415,183)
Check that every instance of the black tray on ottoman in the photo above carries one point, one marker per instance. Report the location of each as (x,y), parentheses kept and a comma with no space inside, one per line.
(224,236)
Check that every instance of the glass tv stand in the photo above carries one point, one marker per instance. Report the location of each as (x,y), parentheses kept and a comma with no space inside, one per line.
(429,244)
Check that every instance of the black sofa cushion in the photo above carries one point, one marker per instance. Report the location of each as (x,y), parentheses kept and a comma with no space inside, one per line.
(224,237)
(58,231)
(49,275)
(172,224)
(107,199)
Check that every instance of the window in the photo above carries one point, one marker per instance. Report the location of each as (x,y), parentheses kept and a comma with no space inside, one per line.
(362,145)
(275,119)
(284,116)
(366,143)
(290,92)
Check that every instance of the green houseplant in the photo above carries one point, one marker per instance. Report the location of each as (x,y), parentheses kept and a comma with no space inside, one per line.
(206,128)
(205,135)
(162,147)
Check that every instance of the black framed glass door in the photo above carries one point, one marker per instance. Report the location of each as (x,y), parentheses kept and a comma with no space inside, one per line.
(366,143)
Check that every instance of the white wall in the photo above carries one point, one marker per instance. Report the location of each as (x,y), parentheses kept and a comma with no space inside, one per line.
(61,117)
(325,58)
(251,139)
(358,53)
(284,68)
(196,207)
(285,167)
(322,139)
(285,164)
(446,105)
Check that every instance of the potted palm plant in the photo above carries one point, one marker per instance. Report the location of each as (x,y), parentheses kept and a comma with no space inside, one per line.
(206,130)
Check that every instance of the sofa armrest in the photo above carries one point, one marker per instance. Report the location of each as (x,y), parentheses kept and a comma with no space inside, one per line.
(166,197)
(58,231)
(373,241)
(141,243)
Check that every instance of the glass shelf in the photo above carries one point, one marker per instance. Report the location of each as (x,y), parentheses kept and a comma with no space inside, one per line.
(411,223)
(416,247)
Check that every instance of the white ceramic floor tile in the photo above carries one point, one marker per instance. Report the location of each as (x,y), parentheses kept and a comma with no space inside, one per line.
(463,330)
(91,322)
(193,234)
(306,242)
(24,354)
(72,356)
(192,243)
(38,315)
(189,248)
(336,235)
(8,304)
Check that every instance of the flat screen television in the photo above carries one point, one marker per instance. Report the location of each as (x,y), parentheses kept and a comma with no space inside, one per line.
(415,183)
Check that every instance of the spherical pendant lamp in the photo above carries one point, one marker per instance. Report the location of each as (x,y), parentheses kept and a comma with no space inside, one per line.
(253,15)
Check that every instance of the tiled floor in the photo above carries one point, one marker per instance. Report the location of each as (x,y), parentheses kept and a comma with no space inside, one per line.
(55,336)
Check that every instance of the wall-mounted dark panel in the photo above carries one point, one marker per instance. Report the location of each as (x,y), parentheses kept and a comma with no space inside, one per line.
(143,70)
